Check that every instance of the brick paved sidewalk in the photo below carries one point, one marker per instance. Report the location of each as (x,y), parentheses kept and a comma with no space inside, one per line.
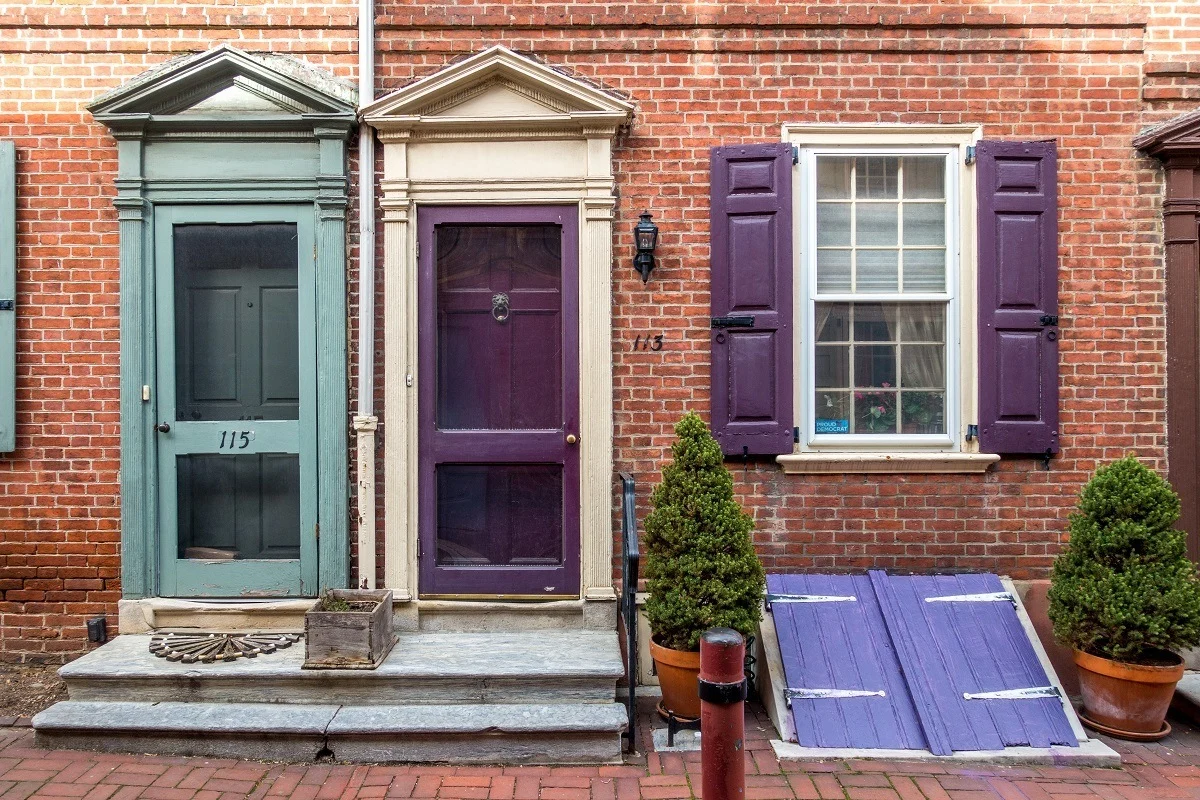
(1162,771)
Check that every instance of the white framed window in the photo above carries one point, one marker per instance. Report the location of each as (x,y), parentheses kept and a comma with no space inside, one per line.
(884,312)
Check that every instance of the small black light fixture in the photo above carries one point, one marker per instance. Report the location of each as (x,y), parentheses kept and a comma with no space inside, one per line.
(645,236)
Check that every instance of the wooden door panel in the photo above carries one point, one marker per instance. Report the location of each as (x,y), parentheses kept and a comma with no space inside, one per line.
(499,370)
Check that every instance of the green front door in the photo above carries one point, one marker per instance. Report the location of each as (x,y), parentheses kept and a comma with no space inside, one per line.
(236,385)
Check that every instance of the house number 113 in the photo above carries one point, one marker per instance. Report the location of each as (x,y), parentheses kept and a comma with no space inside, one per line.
(236,440)
(648,342)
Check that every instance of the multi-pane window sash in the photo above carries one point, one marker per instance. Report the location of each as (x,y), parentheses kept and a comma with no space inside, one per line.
(879,235)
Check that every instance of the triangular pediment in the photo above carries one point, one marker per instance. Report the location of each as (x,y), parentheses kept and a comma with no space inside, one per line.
(498,87)
(1180,136)
(228,83)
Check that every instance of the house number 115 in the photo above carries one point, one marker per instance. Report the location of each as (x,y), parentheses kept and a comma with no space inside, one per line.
(236,440)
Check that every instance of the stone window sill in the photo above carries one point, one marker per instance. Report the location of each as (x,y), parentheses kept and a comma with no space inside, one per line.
(810,463)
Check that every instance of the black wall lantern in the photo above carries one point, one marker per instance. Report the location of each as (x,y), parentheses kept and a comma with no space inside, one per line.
(645,235)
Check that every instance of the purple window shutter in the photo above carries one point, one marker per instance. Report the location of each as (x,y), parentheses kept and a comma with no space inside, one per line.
(1018,297)
(752,298)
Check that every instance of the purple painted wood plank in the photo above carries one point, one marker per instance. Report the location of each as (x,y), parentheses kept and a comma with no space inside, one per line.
(842,645)
(956,647)
(913,648)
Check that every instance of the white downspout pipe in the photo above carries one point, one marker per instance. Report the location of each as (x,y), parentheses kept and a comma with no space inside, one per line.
(365,421)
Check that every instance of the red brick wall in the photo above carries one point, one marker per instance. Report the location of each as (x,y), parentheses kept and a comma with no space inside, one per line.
(706,74)
(59,500)
(700,74)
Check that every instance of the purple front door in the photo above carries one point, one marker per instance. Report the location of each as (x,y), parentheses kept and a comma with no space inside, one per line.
(499,401)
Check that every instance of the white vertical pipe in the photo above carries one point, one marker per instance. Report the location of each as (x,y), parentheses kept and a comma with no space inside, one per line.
(365,421)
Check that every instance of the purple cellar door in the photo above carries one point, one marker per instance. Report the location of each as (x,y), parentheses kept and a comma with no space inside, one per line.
(499,401)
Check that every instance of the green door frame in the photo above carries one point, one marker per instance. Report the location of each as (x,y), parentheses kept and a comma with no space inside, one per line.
(181,577)
(293,155)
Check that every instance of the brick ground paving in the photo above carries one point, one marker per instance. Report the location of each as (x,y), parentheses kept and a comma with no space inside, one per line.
(1161,771)
(1170,769)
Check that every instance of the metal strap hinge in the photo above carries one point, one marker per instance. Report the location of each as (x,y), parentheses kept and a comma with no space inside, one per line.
(970,156)
(1029,693)
(8,305)
(829,694)
(809,598)
(982,597)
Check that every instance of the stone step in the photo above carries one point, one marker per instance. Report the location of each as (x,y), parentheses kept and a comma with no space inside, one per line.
(543,668)
(466,734)
(149,614)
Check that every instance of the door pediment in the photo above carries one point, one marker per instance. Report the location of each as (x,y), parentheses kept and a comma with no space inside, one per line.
(1180,136)
(498,90)
(227,86)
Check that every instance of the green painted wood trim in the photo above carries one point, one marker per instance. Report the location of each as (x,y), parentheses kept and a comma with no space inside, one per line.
(8,291)
(265,577)
(333,453)
(139,547)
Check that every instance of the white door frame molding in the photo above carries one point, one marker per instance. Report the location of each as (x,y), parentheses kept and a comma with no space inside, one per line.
(498,128)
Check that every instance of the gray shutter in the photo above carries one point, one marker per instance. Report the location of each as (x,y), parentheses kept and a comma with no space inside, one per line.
(8,286)
(751,283)
(1018,297)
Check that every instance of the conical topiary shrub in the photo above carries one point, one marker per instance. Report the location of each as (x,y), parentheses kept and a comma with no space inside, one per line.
(1123,588)
(700,563)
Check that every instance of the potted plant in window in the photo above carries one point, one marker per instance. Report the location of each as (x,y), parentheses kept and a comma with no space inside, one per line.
(1125,596)
(701,568)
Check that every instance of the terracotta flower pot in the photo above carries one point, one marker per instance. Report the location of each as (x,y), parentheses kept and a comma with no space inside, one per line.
(1122,697)
(678,676)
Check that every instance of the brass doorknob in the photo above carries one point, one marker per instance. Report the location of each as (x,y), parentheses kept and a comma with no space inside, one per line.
(572,438)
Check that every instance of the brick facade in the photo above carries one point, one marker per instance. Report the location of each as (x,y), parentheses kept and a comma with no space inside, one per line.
(1089,74)
(59,492)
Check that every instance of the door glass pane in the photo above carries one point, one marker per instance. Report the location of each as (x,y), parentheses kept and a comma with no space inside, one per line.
(499,327)
(243,506)
(499,514)
(236,322)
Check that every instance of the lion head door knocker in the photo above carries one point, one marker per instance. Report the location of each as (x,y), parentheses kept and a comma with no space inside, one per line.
(500,307)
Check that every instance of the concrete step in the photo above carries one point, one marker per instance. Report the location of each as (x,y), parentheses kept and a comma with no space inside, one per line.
(468,734)
(542,668)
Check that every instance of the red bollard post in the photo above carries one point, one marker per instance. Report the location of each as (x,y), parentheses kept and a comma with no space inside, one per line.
(722,714)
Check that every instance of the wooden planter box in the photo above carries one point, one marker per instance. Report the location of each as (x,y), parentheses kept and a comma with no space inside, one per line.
(349,639)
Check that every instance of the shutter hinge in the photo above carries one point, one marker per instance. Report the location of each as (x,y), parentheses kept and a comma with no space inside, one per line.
(970,159)
(796,435)
(972,433)
(317,531)
(418,249)
(8,305)
(1048,320)
(795,154)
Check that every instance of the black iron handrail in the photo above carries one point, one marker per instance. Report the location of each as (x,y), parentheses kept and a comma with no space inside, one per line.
(630,559)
